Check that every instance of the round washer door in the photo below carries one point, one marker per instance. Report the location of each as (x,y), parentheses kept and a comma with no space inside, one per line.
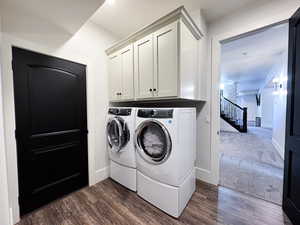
(153,142)
(117,133)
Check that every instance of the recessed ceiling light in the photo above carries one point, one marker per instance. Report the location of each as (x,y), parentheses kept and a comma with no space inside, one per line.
(110,2)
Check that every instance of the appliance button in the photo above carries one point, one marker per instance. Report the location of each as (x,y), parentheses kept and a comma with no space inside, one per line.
(154,112)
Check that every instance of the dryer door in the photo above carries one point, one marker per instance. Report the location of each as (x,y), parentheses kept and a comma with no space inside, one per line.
(153,142)
(117,133)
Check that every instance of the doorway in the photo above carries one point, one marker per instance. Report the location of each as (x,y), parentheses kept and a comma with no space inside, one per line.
(51,127)
(253,86)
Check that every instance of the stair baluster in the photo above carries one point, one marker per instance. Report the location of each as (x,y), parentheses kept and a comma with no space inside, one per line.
(234,114)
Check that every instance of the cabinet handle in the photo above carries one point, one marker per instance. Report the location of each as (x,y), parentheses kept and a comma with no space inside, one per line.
(150,89)
(154,89)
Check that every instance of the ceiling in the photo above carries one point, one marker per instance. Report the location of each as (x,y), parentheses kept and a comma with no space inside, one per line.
(248,60)
(50,18)
(127,16)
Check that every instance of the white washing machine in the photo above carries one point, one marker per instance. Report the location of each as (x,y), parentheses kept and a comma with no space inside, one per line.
(165,141)
(120,134)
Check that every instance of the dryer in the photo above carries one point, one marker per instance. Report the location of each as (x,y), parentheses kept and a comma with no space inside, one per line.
(120,132)
(165,141)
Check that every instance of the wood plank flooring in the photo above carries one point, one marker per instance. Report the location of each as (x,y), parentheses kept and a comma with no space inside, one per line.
(110,203)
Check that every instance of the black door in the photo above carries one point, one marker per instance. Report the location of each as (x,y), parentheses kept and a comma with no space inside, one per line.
(51,127)
(291,192)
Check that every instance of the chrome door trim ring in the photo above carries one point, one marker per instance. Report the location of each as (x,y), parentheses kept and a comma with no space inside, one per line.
(118,148)
(140,150)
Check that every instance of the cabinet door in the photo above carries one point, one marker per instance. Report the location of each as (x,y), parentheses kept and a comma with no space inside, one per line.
(115,76)
(166,61)
(143,50)
(127,73)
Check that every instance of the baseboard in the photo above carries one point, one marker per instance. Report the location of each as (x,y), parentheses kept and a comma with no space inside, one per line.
(266,127)
(102,174)
(279,149)
(206,176)
(14,212)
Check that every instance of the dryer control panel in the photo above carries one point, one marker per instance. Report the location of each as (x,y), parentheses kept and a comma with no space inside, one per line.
(119,111)
(155,113)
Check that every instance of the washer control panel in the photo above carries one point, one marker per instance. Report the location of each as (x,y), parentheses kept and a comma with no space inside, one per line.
(119,111)
(155,113)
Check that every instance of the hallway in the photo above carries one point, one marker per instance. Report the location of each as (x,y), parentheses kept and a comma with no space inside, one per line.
(249,163)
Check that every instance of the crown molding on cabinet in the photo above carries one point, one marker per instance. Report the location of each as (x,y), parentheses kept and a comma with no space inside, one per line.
(177,14)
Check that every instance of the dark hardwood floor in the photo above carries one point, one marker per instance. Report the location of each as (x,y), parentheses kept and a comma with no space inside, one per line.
(110,203)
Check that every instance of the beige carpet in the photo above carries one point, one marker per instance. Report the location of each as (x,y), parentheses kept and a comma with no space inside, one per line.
(250,164)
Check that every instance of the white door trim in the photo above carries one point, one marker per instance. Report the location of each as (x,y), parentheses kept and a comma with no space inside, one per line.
(216,41)
(4,205)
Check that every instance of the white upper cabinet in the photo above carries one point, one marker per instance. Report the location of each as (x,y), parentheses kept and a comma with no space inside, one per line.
(166,61)
(115,77)
(127,92)
(158,62)
(144,69)
(121,75)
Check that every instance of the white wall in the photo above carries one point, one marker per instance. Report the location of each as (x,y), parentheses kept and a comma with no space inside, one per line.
(255,16)
(249,19)
(276,104)
(203,159)
(230,91)
(248,101)
(86,46)
(4,206)
(224,126)
(267,98)
(280,101)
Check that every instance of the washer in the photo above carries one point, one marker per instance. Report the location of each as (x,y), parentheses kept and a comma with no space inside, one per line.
(120,134)
(165,141)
